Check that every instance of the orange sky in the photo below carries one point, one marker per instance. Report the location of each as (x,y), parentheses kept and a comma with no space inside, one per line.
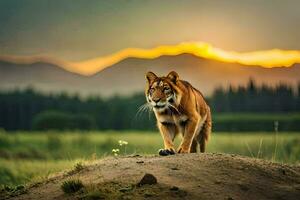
(265,58)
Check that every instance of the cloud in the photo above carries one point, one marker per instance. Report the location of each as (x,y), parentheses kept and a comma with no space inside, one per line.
(267,58)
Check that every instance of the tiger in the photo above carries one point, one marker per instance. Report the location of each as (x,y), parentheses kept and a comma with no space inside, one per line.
(179,108)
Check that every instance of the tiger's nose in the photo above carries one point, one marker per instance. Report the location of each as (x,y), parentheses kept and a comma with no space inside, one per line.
(156,100)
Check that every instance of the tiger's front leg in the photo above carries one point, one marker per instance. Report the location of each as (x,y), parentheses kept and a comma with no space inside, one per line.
(191,127)
(168,132)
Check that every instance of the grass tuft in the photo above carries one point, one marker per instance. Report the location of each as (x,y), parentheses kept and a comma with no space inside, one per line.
(11,191)
(78,166)
(71,186)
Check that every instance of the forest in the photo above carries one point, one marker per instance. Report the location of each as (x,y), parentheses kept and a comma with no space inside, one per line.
(241,108)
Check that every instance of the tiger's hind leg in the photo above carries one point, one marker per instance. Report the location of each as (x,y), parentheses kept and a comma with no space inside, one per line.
(194,146)
(204,134)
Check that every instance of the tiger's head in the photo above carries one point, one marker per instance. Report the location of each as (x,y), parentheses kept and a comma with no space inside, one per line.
(162,92)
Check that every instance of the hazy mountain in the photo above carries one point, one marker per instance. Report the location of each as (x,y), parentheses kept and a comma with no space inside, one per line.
(128,76)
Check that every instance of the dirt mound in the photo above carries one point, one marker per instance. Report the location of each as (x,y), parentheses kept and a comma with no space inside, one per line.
(189,176)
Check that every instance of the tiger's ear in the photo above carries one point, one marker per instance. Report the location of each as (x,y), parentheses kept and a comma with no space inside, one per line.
(173,76)
(150,76)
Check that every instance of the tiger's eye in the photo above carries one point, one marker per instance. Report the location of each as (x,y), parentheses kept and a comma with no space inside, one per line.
(166,88)
(151,90)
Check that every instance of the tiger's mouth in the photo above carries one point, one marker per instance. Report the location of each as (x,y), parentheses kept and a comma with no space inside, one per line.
(159,106)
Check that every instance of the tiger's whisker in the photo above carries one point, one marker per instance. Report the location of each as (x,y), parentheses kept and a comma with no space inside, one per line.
(143,108)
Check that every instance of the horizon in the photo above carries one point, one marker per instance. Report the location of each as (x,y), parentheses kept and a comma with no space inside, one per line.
(267,58)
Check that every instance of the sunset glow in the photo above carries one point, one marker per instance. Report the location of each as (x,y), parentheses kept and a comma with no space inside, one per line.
(266,58)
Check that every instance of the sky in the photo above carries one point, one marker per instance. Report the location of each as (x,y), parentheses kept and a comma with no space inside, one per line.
(77,29)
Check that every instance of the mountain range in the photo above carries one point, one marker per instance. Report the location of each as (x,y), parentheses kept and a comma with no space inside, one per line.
(128,76)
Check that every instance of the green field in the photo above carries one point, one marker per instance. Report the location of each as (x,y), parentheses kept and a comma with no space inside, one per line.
(30,156)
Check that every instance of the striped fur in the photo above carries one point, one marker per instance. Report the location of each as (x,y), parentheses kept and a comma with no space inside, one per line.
(179,108)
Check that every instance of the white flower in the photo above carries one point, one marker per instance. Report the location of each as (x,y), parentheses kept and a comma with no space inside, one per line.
(122,142)
(115,150)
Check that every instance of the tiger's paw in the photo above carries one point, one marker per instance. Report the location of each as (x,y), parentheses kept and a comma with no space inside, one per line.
(182,150)
(166,152)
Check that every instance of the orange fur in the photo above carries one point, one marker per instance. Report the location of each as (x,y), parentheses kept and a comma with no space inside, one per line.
(179,108)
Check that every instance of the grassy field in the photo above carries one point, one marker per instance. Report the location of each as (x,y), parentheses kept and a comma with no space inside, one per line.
(28,156)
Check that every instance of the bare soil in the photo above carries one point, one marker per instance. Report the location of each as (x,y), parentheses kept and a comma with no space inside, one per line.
(183,176)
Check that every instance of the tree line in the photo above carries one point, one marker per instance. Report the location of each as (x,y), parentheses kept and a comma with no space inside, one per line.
(254,98)
(31,110)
